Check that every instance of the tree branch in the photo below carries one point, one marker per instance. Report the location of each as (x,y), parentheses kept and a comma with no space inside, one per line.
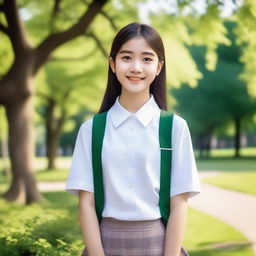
(56,7)
(111,21)
(16,31)
(55,40)
(98,43)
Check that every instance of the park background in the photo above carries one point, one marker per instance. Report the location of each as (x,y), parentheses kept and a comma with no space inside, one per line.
(53,72)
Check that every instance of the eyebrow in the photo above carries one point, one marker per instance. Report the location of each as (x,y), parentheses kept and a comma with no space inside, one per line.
(143,53)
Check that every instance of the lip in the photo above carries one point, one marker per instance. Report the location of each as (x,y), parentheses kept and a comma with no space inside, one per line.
(135,78)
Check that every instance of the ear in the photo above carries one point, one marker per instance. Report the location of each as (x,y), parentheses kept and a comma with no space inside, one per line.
(159,67)
(112,64)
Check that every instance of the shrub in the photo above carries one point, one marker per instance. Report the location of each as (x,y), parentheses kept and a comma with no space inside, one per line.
(38,230)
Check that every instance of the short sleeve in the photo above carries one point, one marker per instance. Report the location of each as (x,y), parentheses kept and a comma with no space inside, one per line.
(81,175)
(184,175)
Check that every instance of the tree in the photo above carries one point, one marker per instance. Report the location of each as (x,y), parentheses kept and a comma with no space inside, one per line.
(61,97)
(16,89)
(220,98)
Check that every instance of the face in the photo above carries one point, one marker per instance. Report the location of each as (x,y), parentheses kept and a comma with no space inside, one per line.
(136,65)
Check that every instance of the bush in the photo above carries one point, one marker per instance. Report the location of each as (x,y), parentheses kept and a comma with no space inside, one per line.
(34,230)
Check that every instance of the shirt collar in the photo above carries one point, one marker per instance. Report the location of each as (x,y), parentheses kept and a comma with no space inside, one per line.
(144,114)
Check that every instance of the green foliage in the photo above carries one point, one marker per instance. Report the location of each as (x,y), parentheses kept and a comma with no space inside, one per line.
(220,97)
(40,20)
(34,230)
(209,30)
(180,66)
(3,124)
(246,34)
(6,54)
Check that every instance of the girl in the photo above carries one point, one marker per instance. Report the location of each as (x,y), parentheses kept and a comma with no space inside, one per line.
(130,221)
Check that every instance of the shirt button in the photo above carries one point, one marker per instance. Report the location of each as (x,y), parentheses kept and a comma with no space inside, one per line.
(132,129)
(129,146)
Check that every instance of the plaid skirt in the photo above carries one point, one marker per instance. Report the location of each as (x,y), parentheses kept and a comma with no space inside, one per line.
(132,238)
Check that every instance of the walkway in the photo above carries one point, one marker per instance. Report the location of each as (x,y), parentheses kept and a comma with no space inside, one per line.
(235,208)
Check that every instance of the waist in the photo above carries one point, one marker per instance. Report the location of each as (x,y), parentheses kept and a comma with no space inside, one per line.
(132,223)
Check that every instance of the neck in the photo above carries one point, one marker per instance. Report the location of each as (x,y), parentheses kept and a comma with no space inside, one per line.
(133,101)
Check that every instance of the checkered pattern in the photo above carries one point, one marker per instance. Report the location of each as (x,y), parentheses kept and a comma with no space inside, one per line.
(132,238)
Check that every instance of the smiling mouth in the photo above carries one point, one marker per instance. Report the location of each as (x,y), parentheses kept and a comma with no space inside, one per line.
(132,78)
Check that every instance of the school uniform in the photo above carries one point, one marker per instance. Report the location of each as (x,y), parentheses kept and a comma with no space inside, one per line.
(131,175)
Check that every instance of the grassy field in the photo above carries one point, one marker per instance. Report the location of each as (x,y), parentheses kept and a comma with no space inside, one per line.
(207,236)
(230,152)
(242,181)
(227,164)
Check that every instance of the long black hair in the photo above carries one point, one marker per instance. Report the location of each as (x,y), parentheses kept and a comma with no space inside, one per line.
(158,86)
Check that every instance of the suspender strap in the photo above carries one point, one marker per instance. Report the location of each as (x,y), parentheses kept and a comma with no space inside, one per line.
(165,140)
(98,130)
(165,136)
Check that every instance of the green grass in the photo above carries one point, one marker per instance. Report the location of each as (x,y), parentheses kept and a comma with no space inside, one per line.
(44,175)
(242,181)
(230,152)
(227,164)
(52,175)
(207,236)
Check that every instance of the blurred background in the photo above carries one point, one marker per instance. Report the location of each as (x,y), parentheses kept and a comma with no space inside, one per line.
(53,74)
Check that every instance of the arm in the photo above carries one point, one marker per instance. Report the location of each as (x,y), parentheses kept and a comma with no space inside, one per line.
(176,225)
(89,223)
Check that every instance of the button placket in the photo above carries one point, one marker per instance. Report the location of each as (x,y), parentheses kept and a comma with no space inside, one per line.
(130,146)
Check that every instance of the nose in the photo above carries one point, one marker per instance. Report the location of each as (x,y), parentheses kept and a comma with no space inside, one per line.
(136,67)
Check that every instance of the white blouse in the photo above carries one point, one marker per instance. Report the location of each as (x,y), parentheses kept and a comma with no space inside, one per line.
(131,162)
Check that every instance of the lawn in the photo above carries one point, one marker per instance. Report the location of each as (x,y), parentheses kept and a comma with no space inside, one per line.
(242,181)
(236,174)
(227,164)
(207,236)
(230,152)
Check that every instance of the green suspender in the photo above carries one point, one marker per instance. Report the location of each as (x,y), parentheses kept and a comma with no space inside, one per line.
(98,130)
(165,135)
(165,141)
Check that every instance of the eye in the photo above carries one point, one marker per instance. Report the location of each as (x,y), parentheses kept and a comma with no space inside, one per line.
(147,59)
(126,57)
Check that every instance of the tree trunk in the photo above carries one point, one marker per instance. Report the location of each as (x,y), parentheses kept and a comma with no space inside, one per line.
(54,127)
(52,150)
(23,187)
(237,136)
(51,143)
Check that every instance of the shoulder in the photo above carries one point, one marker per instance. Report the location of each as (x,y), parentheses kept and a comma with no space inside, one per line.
(179,122)
(86,125)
